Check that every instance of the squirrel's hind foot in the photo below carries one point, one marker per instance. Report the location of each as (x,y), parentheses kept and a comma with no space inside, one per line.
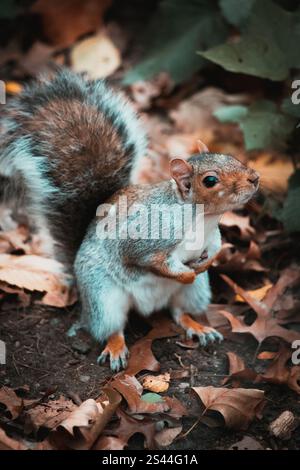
(205,334)
(117,352)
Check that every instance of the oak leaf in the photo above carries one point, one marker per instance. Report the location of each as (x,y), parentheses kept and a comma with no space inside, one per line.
(238,406)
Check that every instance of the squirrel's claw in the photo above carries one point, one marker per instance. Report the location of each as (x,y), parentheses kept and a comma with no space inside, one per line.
(205,334)
(117,352)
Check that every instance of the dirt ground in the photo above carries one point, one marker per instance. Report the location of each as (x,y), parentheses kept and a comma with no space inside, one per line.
(42,356)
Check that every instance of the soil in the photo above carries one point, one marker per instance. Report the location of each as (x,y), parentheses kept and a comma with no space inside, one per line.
(43,357)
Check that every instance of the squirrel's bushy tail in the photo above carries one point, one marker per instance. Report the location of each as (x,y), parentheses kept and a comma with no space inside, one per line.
(66,146)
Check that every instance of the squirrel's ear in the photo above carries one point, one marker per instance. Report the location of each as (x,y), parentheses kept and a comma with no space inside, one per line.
(182,172)
(201,146)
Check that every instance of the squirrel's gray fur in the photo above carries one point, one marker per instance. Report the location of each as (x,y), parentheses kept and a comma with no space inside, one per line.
(66,145)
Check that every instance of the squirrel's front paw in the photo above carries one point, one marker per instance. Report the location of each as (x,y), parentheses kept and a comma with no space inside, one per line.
(117,351)
(196,263)
(205,334)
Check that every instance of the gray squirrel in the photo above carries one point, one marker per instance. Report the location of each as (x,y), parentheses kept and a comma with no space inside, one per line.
(69,145)
(149,272)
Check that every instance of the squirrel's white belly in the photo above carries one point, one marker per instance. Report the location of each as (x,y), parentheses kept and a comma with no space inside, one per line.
(152,293)
(196,242)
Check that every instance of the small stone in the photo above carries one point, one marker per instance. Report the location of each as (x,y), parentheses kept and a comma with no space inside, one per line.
(183,385)
(84,378)
(81,346)
(55,322)
(17,344)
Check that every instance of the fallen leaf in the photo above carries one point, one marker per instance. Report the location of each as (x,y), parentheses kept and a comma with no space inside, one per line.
(82,427)
(128,426)
(247,443)
(230,259)
(48,415)
(265,324)
(64,21)
(130,388)
(12,403)
(230,219)
(156,383)
(8,443)
(196,112)
(109,443)
(97,56)
(265,355)
(274,169)
(141,356)
(258,294)
(238,370)
(280,372)
(166,436)
(238,406)
(13,88)
(36,273)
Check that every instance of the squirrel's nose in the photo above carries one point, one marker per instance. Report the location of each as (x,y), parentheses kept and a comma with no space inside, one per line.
(254,178)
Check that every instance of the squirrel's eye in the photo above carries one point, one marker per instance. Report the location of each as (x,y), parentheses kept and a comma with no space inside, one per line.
(210,181)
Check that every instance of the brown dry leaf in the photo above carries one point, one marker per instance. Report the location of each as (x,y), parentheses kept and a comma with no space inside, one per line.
(129,426)
(230,219)
(247,443)
(24,298)
(36,273)
(145,92)
(279,372)
(238,406)
(62,296)
(83,425)
(109,443)
(141,356)
(130,388)
(8,443)
(238,370)
(229,259)
(64,21)
(196,112)
(265,324)
(265,355)
(48,415)
(97,56)
(166,436)
(11,401)
(274,169)
(157,383)
(258,294)
(13,88)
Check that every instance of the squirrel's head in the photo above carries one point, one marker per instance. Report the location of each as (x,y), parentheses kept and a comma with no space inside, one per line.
(220,182)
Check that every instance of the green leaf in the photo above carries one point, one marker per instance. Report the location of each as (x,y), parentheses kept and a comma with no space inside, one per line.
(236,11)
(178,30)
(231,113)
(152,398)
(263,125)
(267,46)
(290,214)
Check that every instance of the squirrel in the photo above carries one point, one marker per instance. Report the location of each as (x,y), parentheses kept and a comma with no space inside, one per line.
(124,265)
(66,145)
